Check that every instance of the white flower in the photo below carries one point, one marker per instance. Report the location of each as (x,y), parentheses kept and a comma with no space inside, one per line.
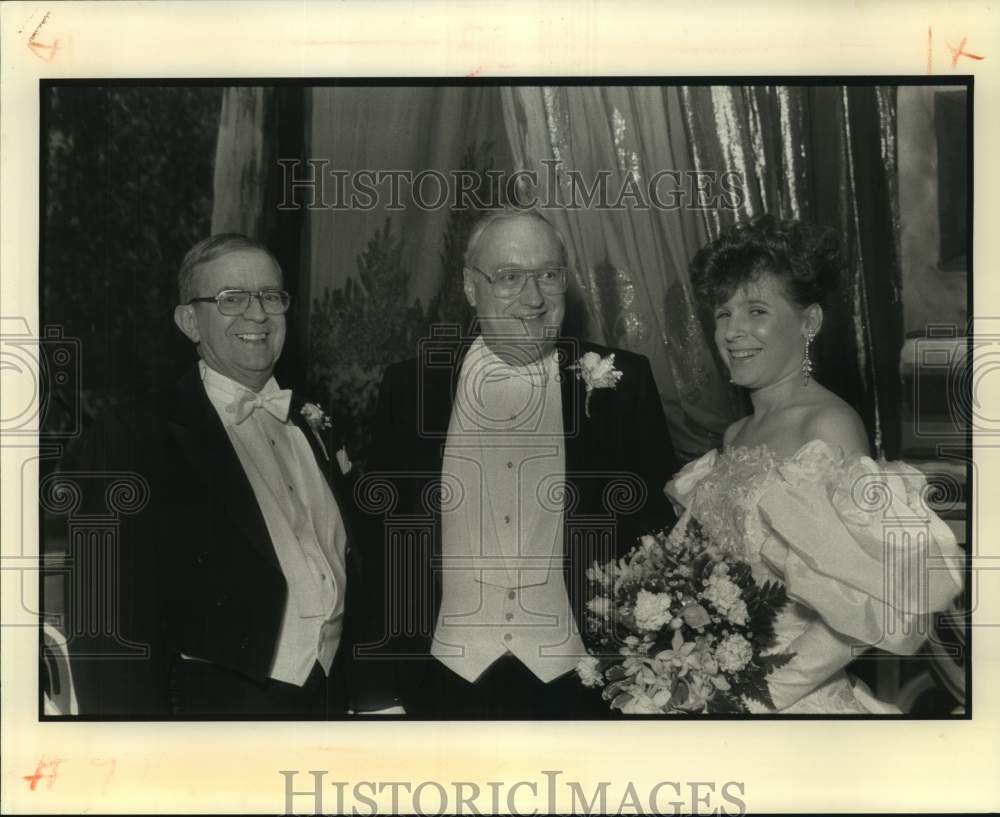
(318,421)
(733,653)
(699,691)
(649,544)
(316,417)
(641,705)
(601,606)
(721,592)
(695,615)
(652,610)
(737,612)
(589,670)
(597,373)
(598,574)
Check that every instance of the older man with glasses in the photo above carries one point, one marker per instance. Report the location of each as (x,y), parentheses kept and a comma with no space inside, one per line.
(240,580)
(516,458)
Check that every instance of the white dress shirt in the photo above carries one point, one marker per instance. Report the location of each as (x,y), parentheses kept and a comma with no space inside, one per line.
(502,527)
(304,525)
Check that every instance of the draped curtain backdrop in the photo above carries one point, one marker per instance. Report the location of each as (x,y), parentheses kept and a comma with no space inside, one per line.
(381,129)
(823,154)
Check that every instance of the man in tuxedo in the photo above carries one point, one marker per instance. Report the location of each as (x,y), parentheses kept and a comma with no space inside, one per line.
(238,583)
(500,478)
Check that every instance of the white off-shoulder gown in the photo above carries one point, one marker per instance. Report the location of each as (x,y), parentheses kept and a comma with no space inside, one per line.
(864,560)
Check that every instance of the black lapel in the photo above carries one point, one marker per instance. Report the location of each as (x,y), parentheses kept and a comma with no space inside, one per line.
(576,424)
(324,444)
(201,437)
(437,390)
(436,394)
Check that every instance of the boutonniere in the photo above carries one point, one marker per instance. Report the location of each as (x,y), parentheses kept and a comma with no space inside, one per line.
(319,421)
(597,373)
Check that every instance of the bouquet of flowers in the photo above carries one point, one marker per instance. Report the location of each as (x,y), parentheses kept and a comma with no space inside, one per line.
(677,626)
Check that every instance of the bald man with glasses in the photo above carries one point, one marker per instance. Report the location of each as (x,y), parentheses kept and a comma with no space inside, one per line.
(241,580)
(508,476)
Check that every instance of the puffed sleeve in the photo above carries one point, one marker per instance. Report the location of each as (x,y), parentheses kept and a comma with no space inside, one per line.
(680,488)
(860,547)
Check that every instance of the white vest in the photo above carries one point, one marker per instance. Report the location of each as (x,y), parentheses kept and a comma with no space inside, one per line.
(502,525)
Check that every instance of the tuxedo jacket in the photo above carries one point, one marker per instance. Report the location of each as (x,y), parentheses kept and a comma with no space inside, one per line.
(618,458)
(197,572)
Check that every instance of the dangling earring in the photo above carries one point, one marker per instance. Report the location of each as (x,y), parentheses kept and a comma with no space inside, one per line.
(807,364)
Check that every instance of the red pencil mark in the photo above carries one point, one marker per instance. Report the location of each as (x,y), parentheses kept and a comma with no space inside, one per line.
(112,763)
(44,51)
(475,71)
(45,770)
(961,52)
(930,51)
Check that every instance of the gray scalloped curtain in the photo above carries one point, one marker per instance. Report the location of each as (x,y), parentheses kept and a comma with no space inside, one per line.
(825,155)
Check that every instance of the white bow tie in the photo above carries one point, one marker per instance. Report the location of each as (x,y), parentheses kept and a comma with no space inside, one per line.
(275,403)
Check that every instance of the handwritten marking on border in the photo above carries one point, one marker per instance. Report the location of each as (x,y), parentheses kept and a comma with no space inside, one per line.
(956,53)
(961,52)
(44,51)
(45,770)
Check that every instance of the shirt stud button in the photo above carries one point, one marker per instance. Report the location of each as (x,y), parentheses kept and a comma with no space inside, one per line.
(510,465)
(512,595)
(506,519)
(509,616)
(508,637)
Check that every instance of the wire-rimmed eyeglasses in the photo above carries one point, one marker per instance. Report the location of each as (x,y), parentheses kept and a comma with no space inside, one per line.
(508,282)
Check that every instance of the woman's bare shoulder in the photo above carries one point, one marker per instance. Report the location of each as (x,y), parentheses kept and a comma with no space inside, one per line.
(730,433)
(836,423)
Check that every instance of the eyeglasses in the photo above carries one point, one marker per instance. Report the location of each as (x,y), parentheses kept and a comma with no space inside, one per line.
(237,301)
(507,282)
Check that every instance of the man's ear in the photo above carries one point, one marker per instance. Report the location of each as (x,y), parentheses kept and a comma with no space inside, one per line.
(187,322)
(469,287)
(813,319)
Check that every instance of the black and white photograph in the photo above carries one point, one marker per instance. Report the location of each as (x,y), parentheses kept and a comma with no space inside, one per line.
(377,405)
(506,401)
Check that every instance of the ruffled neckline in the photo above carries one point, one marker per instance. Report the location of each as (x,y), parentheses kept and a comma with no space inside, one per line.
(807,451)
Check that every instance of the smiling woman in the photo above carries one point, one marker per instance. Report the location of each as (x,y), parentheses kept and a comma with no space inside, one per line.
(790,491)
(759,332)
(768,282)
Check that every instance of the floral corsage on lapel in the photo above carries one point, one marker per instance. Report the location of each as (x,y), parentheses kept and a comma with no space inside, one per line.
(319,421)
(597,373)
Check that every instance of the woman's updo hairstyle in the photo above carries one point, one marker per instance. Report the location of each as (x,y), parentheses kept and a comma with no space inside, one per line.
(806,259)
